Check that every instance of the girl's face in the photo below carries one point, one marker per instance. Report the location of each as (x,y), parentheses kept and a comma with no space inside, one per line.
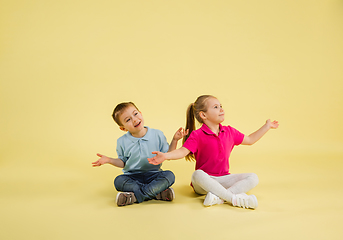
(215,113)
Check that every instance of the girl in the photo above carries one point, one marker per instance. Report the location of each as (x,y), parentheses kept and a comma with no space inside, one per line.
(210,146)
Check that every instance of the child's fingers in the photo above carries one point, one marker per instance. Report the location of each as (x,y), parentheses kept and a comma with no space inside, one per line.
(151,161)
(99,155)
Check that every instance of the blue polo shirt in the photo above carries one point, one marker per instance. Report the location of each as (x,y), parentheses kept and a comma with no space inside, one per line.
(134,152)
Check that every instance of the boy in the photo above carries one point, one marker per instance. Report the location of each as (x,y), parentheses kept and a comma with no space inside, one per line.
(141,181)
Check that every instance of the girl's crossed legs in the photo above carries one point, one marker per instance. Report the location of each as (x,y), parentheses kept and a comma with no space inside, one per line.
(225,187)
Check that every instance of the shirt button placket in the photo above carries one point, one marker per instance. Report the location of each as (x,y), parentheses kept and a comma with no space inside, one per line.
(221,148)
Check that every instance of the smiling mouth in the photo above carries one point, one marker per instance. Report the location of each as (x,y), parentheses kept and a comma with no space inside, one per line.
(138,124)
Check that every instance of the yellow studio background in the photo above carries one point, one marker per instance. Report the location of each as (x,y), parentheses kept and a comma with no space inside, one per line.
(64,65)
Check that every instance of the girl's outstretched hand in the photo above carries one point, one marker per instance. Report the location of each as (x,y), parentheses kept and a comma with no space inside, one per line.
(102,160)
(158,159)
(272,125)
(180,133)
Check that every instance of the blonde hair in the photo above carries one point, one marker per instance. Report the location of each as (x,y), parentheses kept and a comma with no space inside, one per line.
(193,112)
(119,109)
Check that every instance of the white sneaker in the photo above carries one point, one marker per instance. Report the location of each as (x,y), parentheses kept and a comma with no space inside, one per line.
(245,201)
(212,199)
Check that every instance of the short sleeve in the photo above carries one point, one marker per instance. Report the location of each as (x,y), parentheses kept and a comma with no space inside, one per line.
(236,135)
(164,146)
(192,142)
(120,150)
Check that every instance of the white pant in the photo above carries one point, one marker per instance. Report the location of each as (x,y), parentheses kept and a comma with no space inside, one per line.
(223,186)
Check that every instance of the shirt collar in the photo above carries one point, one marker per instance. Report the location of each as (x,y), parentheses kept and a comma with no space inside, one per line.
(207,130)
(145,137)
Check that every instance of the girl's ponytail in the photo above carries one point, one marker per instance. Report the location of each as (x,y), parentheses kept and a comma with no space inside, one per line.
(193,112)
(190,125)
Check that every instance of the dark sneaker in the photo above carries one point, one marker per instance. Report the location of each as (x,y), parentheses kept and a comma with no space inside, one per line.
(166,195)
(125,198)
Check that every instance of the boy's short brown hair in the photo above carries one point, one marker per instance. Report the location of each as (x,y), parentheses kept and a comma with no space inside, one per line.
(119,109)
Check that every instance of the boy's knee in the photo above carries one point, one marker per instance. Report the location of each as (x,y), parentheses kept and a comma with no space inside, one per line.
(170,176)
(118,182)
(117,179)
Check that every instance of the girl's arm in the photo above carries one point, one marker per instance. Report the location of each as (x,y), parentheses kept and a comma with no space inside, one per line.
(255,136)
(180,133)
(113,161)
(173,155)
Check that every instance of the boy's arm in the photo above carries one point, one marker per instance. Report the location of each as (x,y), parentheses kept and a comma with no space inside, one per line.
(180,133)
(173,155)
(113,161)
(255,136)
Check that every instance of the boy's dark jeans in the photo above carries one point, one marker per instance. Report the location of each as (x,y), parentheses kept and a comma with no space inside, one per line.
(145,185)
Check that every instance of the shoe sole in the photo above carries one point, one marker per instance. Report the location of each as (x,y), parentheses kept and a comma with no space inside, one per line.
(208,199)
(117,199)
(255,201)
(173,193)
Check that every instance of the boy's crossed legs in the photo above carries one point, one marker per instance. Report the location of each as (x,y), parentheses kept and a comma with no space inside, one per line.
(231,188)
(140,187)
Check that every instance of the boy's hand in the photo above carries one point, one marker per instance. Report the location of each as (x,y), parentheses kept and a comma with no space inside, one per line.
(272,125)
(158,159)
(180,133)
(103,159)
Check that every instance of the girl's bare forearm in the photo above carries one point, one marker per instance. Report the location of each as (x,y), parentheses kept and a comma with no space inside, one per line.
(255,136)
(177,154)
(172,145)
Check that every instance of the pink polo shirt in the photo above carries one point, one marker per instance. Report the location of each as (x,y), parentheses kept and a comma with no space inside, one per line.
(212,152)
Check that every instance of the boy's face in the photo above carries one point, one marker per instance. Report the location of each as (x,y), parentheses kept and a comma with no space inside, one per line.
(132,120)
